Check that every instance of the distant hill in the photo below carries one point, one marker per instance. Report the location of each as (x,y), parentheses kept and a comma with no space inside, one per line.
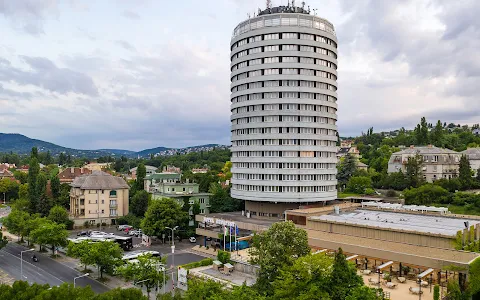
(20,144)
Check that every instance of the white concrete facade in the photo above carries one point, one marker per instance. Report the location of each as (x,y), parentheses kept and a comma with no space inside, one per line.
(284,109)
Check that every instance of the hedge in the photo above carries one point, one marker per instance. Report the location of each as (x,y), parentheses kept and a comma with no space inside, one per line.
(202,263)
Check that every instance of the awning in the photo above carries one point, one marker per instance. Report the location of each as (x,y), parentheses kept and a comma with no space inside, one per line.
(387,264)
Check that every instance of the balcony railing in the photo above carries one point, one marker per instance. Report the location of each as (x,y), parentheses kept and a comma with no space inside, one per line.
(113,205)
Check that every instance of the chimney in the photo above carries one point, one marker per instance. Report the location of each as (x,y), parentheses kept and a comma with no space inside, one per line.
(81,170)
(72,170)
(412,146)
(430,145)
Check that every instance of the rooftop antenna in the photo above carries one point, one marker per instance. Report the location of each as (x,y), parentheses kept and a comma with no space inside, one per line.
(309,9)
(293,3)
(315,11)
(269,4)
(303,4)
(248,15)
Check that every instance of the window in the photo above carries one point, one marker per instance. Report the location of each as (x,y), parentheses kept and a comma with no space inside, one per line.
(307,49)
(307,96)
(271,83)
(310,84)
(272,36)
(289,35)
(254,73)
(289,48)
(307,72)
(289,59)
(289,83)
(271,48)
(290,71)
(271,95)
(269,60)
(255,39)
(113,194)
(103,201)
(304,36)
(271,71)
(307,60)
(257,61)
(255,50)
(103,211)
(289,118)
(289,95)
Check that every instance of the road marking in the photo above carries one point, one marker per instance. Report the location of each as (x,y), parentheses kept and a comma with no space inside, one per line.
(109,288)
(35,267)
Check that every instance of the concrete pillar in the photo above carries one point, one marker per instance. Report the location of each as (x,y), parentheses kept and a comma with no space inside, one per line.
(477,232)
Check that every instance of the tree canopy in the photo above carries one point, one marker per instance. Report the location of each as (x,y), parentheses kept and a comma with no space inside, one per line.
(163,213)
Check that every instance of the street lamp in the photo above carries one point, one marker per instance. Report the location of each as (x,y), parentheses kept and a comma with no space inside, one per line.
(161,267)
(21,262)
(74,279)
(173,249)
(173,243)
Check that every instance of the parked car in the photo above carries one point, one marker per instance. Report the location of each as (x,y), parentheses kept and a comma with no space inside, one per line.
(209,238)
(123,227)
(192,239)
(83,233)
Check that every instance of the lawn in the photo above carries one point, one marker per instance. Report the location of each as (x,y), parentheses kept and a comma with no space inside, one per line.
(461,210)
(345,195)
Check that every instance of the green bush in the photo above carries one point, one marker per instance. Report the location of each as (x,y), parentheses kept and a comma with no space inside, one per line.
(104,224)
(223,256)
(86,224)
(391,193)
(436,292)
(197,264)
(359,184)
(369,191)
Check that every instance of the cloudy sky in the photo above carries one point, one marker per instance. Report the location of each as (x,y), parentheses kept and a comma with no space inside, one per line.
(145,73)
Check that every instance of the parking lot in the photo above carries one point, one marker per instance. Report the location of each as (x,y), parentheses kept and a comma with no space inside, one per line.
(181,255)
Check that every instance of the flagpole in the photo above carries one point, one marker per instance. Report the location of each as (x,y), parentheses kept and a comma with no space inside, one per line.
(230,236)
(236,237)
(224,236)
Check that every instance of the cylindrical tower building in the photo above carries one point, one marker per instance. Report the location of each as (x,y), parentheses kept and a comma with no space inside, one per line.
(284,111)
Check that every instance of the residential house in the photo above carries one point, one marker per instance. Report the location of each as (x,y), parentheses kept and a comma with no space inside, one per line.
(436,162)
(69,174)
(149,169)
(172,169)
(23,168)
(5,172)
(97,166)
(200,170)
(362,166)
(473,155)
(170,185)
(98,198)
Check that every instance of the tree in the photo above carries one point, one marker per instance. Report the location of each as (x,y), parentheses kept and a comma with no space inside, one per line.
(426,194)
(141,173)
(344,277)
(146,271)
(346,169)
(162,213)
(363,293)
(81,251)
(59,215)
(465,173)
(359,184)
(50,233)
(221,201)
(16,222)
(124,294)
(275,248)
(34,221)
(414,174)
(307,278)
(106,255)
(436,136)
(55,187)
(33,171)
(139,203)
(34,153)
(3,240)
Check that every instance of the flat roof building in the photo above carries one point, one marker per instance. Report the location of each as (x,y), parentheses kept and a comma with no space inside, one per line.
(284,111)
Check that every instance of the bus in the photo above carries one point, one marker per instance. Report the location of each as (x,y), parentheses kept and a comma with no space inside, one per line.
(125,242)
(134,255)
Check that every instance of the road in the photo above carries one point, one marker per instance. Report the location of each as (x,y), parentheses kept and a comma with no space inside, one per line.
(46,270)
